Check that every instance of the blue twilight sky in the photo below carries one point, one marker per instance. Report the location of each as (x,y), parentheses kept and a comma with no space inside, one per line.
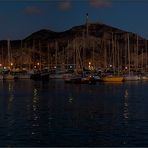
(20,18)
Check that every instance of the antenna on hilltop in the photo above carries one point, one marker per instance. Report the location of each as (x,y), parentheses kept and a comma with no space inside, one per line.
(87,24)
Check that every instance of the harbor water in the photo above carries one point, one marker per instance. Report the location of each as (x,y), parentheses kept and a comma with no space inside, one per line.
(53,113)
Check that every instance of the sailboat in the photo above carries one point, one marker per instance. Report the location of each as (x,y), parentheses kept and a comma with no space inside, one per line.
(113,77)
(131,76)
(41,74)
(9,74)
(144,75)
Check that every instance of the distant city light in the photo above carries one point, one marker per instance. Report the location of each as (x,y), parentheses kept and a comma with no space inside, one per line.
(11,64)
(0,65)
(38,63)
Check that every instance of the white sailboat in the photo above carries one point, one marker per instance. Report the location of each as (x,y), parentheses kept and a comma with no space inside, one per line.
(9,75)
(130,76)
(113,77)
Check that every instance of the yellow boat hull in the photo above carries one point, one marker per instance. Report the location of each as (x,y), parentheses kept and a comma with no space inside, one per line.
(112,79)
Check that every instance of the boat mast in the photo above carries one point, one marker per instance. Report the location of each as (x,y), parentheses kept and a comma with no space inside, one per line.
(48,57)
(87,25)
(137,52)
(146,55)
(56,53)
(113,53)
(40,63)
(118,57)
(8,44)
(128,53)
(21,56)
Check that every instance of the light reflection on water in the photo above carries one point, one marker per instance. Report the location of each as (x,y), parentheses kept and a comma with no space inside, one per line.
(126,105)
(11,95)
(53,113)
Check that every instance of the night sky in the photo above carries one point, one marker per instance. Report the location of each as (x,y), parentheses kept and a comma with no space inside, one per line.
(20,18)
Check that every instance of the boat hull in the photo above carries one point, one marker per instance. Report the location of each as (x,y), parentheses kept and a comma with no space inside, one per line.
(39,76)
(112,79)
(131,78)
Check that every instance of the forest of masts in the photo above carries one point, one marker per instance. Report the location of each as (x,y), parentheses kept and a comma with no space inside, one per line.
(117,51)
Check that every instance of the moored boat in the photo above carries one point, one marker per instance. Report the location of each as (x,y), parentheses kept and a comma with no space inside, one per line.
(9,77)
(131,78)
(80,80)
(39,75)
(112,78)
(144,77)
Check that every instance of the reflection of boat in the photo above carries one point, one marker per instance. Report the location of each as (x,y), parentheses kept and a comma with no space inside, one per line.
(39,75)
(113,83)
(1,77)
(112,78)
(73,79)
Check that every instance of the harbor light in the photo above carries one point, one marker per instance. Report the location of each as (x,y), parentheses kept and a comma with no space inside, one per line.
(89,65)
(38,63)
(110,65)
(126,67)
(11,64)
(55,67)
(0,65)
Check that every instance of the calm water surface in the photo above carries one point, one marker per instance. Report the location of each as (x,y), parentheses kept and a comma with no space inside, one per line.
(57,114)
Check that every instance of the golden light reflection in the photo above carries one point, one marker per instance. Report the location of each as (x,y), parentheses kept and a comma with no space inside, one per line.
(126,115)
(11,95)
(35,104)
(34,99)
(70,99)
(126,111)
